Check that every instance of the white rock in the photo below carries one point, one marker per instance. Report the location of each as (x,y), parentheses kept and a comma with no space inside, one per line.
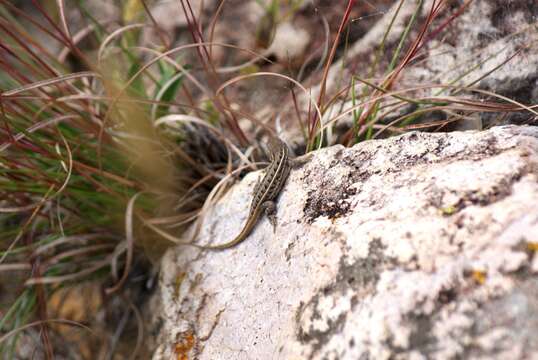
(169,14)
(365,260)
(289,42)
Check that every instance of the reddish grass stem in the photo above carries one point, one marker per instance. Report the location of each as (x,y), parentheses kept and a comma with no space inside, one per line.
(315,120)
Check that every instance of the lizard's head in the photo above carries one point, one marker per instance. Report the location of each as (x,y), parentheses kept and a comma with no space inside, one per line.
(275,145)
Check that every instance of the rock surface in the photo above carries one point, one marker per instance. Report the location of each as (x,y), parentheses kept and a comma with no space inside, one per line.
(418,246)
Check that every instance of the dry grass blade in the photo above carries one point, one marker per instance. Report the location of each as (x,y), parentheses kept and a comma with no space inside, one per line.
(129,239)
(344,21)
(15,267)
(112,36)
(215,194)
(41,322)
(78,37)
(88,269)
(43,83)
(298,84)
(27,223)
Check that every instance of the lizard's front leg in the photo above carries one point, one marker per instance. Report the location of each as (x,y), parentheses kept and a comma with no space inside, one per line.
(300,161)
(269,207)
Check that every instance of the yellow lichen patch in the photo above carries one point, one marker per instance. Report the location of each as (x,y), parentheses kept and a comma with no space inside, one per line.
(184,345)
(479,276)
(251,69)
(449,210)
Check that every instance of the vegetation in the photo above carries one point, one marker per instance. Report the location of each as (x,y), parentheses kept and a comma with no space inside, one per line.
(111,144)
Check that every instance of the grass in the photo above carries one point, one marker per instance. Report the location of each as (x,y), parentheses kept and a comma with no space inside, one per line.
(112,146)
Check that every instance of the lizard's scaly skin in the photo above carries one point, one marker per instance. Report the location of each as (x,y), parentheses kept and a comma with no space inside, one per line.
(265,191)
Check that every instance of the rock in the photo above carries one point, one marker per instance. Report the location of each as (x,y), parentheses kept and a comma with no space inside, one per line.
(420,246)
(170,17)
(169,14)
(290,42)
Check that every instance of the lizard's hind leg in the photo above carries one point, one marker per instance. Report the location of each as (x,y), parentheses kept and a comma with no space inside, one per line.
(269,207)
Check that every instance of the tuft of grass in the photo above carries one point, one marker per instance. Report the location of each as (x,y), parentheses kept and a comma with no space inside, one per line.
(79,158)
(372,101)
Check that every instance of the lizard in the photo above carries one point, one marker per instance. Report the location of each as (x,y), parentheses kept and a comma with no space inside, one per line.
(265,193)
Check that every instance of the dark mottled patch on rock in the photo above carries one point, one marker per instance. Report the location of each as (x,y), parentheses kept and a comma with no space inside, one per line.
(446,296)
(521,89)
(363,272)
(420,338)
(329,199)
(332,199)
(505,9)
(360,276)
(317,338)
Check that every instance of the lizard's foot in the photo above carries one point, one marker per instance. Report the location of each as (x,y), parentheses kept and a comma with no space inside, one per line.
(269,208)
(300,161)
